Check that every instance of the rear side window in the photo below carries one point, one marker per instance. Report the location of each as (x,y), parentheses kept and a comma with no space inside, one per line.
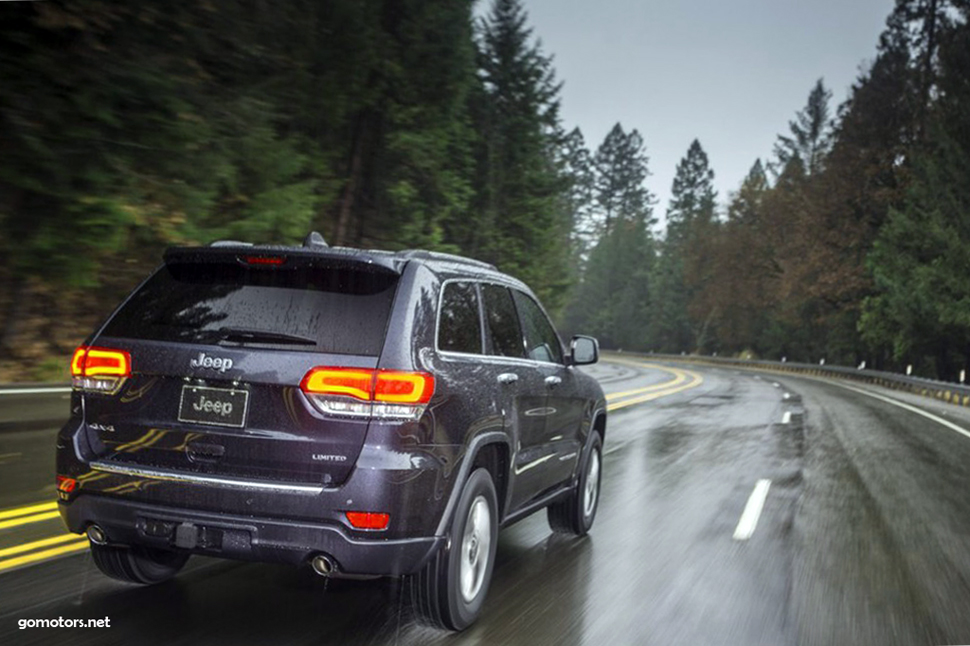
(309,308)
(502,321)
(459,324)
(541,340)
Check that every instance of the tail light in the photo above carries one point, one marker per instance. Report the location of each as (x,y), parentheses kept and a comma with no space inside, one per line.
(360,392)
(66,484)
(368,520)
(65,487)
(100,369)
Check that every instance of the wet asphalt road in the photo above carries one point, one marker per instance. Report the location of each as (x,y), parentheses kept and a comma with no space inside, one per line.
(864,538)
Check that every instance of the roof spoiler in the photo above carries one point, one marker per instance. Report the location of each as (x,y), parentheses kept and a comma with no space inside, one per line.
(316,255)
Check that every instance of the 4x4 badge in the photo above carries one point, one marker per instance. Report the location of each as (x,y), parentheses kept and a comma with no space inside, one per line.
(216,363)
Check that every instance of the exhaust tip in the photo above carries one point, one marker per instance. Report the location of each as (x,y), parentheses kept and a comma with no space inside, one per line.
(96,535)
(322,565)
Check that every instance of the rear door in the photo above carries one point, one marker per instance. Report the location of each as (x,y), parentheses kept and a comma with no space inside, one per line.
(218,351)
(521,390)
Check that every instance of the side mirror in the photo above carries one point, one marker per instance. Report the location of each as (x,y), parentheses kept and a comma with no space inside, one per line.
(583,351)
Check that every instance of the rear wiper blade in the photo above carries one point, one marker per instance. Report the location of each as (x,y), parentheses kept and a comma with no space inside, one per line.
(245,335)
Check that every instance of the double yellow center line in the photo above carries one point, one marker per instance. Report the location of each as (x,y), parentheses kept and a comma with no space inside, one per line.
(681,380)
(39,550)
(27,515)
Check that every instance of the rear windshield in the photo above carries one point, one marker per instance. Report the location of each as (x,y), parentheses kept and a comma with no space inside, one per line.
(314,309)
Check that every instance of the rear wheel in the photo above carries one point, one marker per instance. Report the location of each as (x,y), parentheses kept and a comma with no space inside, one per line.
(450,590)
(137,564)
(575,514)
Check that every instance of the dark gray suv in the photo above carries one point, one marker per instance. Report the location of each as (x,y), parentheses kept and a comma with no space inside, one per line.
(367,413)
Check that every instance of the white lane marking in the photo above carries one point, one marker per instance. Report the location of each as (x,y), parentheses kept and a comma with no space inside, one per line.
(786,418)
(752,511)
(35,391)
(776,384)
(912,409)
(786,396)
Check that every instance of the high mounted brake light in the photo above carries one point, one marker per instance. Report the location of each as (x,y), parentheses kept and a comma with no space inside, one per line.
(265,261)
(360,392)
(100,369)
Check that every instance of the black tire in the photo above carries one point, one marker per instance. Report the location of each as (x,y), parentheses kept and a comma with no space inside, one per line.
(575,515)
(438,594)
(137,564)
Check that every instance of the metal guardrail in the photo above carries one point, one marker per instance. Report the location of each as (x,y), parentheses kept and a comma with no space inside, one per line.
(951,393)
(33,407)
(34,389)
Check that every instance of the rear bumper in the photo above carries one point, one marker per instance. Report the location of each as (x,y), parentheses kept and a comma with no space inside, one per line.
(244,537)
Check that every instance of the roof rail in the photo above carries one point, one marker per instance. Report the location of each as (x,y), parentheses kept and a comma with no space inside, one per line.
(230,243)
(423,254)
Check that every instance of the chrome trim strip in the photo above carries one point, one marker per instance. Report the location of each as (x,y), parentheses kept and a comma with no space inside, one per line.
(534,463)
(191,478)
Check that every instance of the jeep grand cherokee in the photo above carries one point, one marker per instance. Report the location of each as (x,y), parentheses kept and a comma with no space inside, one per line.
(363,412)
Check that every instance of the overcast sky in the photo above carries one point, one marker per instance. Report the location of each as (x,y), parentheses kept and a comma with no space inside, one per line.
(731,73)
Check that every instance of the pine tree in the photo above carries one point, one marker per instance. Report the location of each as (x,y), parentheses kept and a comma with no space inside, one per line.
(613,299)
(746,205)
(811,136)
(621,170)
(683,266)
(693,197)
(922,309)
(742,269)
(522,222)
(577,168)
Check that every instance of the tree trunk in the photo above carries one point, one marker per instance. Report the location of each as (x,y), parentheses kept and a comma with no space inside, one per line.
(347,201)
(11,324)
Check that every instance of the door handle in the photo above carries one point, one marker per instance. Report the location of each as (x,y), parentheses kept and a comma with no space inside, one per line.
(553,381)
(508,378)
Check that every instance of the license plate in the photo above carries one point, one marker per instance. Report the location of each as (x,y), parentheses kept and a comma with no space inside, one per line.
(216,406)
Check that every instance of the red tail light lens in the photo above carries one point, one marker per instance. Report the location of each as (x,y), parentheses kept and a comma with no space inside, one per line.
(66,484)
(360,392)
(101,361)
(403,387)
(94,362)
(65,487)
(77,361)
(100,369)
(368,520)
(351,382)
